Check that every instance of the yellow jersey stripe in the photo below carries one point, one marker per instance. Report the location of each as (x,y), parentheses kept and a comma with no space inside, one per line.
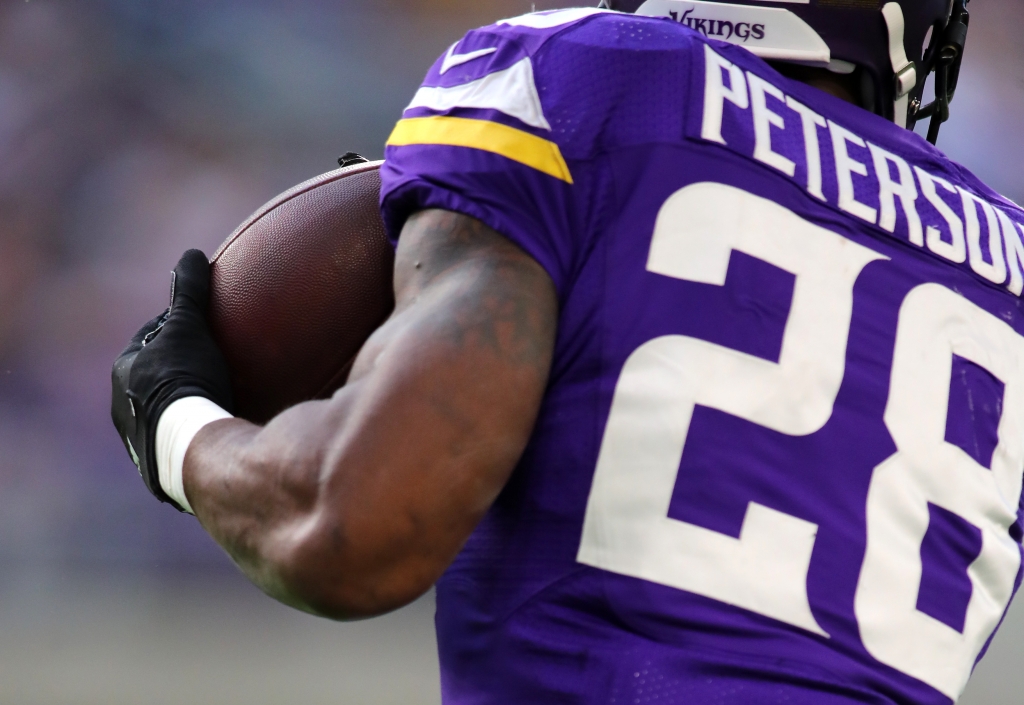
(519,146)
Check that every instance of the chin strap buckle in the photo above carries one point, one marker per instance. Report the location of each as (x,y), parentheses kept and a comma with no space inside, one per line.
(906,80)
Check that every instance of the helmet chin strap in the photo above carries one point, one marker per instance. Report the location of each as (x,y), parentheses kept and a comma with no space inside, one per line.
(904,68)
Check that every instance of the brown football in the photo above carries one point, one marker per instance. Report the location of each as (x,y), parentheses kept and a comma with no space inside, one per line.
(298,288)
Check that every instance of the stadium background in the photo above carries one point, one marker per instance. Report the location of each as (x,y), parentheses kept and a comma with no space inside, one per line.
(130,131)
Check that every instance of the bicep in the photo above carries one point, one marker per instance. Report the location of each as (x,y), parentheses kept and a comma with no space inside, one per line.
(469,345)
(443,398)
(454,276)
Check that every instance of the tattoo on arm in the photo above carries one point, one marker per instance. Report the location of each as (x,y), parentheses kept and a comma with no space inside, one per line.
(513,315)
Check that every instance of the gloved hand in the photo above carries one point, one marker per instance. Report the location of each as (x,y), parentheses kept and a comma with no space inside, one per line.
(172,357)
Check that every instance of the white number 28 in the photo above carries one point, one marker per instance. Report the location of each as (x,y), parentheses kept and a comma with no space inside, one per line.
(627,529)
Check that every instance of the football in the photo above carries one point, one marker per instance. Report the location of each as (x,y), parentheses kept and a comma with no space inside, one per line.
(297,289)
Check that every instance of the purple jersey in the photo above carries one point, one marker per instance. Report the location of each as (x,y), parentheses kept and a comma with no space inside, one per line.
(780,455)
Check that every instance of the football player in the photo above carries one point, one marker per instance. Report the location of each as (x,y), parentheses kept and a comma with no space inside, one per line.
(705,382)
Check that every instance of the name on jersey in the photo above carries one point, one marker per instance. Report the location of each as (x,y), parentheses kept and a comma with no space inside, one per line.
(719,29)
(755,118)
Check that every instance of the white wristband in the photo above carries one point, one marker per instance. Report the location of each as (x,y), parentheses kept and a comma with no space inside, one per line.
(178,425)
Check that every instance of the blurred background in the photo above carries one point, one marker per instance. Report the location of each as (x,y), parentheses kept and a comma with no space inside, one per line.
(130,131)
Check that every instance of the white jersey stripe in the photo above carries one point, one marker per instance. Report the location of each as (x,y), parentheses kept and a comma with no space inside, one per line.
(511,91)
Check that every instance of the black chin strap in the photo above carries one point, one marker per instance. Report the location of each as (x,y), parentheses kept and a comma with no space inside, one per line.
(947,69)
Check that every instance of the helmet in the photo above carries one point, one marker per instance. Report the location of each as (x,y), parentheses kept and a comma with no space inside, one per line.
(894,45)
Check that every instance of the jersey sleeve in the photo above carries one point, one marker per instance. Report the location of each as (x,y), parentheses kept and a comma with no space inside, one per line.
(476,139)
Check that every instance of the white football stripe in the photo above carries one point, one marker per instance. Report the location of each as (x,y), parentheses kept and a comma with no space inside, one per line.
(784,35)
(511,91)
(451,59)
(547,20)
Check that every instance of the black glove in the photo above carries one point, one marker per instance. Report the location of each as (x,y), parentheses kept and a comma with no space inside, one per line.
(172,357)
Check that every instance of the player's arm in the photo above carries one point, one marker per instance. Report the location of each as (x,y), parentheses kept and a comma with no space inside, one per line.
(355,506)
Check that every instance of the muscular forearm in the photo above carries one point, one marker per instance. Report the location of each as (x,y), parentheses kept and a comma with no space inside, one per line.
(325,510)
(252,489)
(329,526)
(348,508)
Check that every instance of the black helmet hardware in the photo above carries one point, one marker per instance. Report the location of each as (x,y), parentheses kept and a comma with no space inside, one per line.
(949,56)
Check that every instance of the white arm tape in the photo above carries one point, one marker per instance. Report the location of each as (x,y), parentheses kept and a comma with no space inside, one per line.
(178,425)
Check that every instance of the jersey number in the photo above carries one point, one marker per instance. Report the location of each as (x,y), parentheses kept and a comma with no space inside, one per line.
(627,529)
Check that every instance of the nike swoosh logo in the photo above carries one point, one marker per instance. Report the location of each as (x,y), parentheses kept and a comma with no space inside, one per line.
(451,60)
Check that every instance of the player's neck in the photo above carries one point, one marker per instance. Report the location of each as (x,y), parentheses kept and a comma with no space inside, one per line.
(844,87)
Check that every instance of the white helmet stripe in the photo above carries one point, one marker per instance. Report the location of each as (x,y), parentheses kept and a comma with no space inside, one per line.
(768,32)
